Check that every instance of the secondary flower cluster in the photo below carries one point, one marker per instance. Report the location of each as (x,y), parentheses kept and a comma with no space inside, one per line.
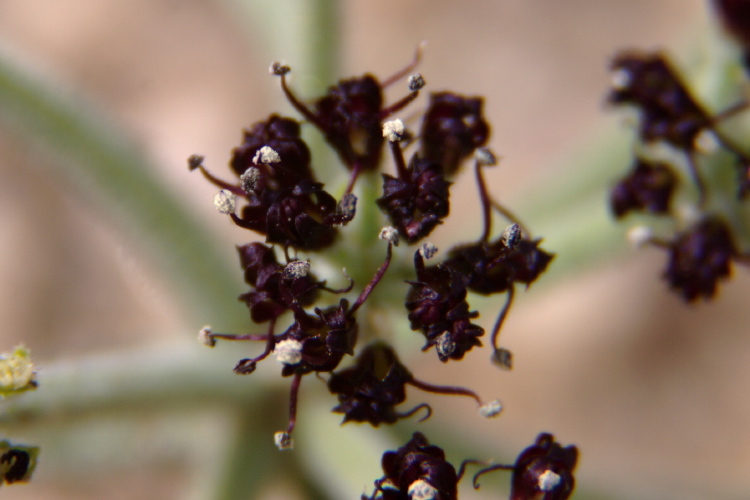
(419,470)
(283,201)
(702,246)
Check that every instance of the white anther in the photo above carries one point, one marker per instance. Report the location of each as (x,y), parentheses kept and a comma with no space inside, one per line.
(283,440)
(638,236)
(224,201)
(422,490)
(297,269)
(288,352)
(428,250)
(389,234)
(266,155)
(621,79)
(491,409)
(445,345)
(548,480)
(416,82)
(393,130)
(484,156)
(249,179)
(205,337)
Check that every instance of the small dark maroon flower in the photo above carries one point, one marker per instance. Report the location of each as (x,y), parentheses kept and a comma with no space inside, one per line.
(543,471)
(417,200)
(417,470)
(350,116)
(17,463)
(669,111)
(370,390)
(452,129)
(699,258)
(284,202)
(649,187)
(437,306)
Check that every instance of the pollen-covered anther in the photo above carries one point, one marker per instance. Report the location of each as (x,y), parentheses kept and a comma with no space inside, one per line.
(288,352)
(283,441)
(511,236)
(639,236)
(205,336)
(422,490)
(266,155)
(484,156)
(224,201)
(428,250)
(621,79)
(297,269)
(389,234)
(249,179)
(548,480)
(706,141)
(445,345)
(416,82)
(195,161)
(393,130)
(491,409)
(503,358)
(279,69)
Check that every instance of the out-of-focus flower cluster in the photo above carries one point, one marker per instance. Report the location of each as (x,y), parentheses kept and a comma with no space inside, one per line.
(282,200)
(673,174)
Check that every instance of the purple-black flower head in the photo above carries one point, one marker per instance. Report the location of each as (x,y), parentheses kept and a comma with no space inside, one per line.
(452,129)
(371,389)
(283,136)
(649,187)
(437,306)
(699,258)
(417,470)
(417,203)
(544,471)
(668,110)
(273,291)
(493,267)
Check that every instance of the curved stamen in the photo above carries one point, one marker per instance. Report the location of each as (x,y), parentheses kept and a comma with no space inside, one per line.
(484,199)
(415,410)
(441,389)
(375,280)
(468,461)
(501,318)
(489,469)
(408,69)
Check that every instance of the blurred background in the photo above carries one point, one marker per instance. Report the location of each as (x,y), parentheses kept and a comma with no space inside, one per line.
(652,391)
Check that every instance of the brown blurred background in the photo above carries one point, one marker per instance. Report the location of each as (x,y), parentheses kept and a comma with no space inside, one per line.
(653,392)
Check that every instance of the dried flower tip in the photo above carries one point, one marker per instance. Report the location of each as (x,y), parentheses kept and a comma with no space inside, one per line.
(283,441)
(638,236)
(17,373)
(389,234)
(428,250)
(266,155)
(484,156)
(224,201)
(422,490)
(278,69)
(445,345)
(416,82)
(245,366)
(706,141)
(195,161)
(503,358)
(249,179)
(205,337)
(621,79)
(393,130)
(297,269)
(491,409)
(548,480)
(288,352)
(511,236)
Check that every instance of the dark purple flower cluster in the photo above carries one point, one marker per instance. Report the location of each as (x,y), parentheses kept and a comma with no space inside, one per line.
(17,463)
(419,470)
(702,246)
(284,202)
